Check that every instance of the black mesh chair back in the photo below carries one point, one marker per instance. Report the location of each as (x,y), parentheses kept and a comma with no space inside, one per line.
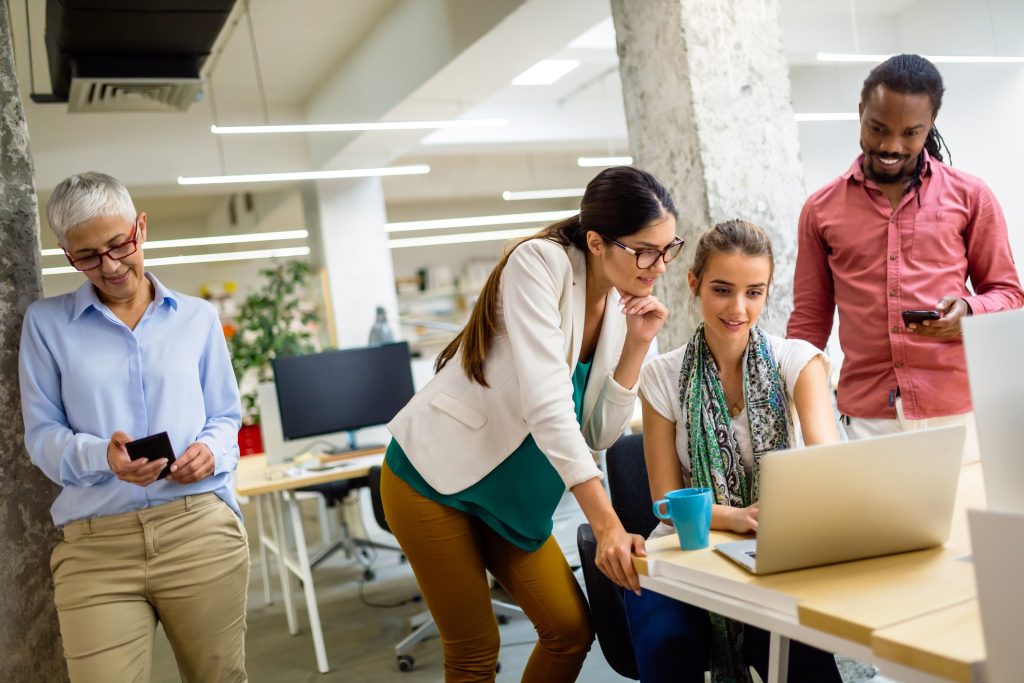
(629,486)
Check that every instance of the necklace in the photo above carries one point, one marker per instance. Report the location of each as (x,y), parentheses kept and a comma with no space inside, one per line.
(734,407)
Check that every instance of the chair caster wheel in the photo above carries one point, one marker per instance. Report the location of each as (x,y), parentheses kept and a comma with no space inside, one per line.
(497,668)
(503,619)
(405,663)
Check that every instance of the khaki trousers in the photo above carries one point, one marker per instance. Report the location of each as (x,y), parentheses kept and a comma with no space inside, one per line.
(184,564)
(451,552)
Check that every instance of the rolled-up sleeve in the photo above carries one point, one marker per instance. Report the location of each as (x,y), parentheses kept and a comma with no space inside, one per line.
(66,457)
(989,259)
(220,397)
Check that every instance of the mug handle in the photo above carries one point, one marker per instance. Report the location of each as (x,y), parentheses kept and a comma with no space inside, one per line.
(657,509)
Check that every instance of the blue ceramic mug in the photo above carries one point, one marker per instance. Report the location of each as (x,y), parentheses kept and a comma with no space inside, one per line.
(690,512)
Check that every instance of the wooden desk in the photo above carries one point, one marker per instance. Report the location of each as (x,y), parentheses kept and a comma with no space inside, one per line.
(274,489)
(839,607)
(946,642)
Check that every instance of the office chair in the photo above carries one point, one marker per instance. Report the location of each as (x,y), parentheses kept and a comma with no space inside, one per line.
(631,499)
(423,623)
(330,495)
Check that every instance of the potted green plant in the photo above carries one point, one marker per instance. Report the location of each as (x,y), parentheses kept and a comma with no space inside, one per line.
(275,320)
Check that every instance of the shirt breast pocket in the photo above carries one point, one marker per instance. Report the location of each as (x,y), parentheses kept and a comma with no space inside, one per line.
(938,238)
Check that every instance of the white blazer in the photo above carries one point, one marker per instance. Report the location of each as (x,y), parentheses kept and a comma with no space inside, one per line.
(455,431)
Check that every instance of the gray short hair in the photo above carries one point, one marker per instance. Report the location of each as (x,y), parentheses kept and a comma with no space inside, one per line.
(84,196)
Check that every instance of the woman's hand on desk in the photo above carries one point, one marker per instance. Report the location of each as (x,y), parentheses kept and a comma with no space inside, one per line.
(615,550)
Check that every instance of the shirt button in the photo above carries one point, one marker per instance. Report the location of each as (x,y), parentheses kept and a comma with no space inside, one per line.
(893,219)
(893,257)
(892,292)
(895,330)
(899,364)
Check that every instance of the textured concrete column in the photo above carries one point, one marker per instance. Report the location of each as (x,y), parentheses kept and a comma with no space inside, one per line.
(30,646)
(707,98)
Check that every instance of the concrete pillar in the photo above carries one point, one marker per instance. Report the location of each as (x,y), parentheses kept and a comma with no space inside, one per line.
(30,645)
(347,217)
(708,108)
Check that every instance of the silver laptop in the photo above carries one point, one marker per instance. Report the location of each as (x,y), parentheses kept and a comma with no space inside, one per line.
(852,500)
(992,342)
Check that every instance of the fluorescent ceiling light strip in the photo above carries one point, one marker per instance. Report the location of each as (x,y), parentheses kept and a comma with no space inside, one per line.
(214,239)
(206,258)
(474,221)
(840,116)
(305,175)
(604,161)
(546,72)
(460,238)
(512,196)
(936,59)
(353,127)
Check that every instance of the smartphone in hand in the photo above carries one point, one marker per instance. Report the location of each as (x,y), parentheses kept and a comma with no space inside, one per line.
(919,316)
(152,448)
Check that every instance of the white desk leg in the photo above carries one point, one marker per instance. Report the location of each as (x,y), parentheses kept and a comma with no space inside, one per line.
(264,565)
(306,574)
(778,658)
(282,568)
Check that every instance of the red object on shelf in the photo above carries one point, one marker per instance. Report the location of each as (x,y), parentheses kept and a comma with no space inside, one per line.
(249,440)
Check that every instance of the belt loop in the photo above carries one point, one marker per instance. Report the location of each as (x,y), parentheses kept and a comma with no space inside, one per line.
(88,526)
(188,503)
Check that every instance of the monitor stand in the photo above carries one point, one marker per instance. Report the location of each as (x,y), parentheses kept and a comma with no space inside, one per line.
(352,448)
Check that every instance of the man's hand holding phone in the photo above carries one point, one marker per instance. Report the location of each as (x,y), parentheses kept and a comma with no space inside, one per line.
(140,471)
(950,310)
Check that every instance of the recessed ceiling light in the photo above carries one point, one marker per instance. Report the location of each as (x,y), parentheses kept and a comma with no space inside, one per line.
(205,258)
(935,59)
(305,175)
(546,72)
(840,116)
(516,195)
(354,127)
(460,238)
(213,239)
(604,161)
(474,221)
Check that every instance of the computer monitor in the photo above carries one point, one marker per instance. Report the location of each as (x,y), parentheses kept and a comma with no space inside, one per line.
(992,342)
(342,391)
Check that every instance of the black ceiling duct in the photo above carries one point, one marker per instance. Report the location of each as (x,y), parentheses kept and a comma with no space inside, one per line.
(130,55)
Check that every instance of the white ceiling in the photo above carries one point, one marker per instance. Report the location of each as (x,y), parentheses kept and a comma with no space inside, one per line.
(307,47)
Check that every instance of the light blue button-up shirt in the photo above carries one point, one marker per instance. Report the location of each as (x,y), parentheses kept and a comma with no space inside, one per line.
(85,375)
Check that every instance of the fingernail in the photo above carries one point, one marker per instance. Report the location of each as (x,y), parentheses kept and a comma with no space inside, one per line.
(637,593)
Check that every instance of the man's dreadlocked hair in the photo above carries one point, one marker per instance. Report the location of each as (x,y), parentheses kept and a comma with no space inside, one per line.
(911,75)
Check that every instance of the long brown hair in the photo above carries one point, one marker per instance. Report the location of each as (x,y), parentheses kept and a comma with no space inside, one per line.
(619,201)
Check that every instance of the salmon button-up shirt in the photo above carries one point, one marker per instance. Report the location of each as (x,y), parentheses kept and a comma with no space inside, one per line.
(873,262)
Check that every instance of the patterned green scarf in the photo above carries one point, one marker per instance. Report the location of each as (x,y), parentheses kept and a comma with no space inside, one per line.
(715,457)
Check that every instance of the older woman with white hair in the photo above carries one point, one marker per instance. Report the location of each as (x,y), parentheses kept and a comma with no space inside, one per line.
(120,358)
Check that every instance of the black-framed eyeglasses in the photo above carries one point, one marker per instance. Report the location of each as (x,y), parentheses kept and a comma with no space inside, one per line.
(116,252)
(646,258)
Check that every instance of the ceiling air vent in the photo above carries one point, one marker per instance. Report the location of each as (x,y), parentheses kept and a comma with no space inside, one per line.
(132,94)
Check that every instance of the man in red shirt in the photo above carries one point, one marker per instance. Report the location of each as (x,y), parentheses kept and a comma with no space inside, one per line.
(901,230)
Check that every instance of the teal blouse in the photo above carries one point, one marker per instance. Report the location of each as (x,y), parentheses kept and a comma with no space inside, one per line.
(517,498)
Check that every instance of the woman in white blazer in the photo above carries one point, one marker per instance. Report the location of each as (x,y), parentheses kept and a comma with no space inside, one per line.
(544,373)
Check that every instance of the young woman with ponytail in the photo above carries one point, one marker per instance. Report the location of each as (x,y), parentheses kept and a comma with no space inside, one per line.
(544,373)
